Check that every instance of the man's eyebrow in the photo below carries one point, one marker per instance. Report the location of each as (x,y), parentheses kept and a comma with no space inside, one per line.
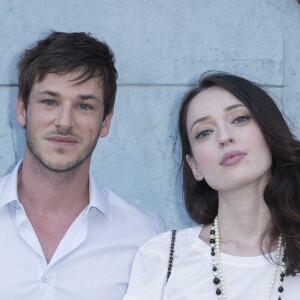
(229,108)
(81,96)
(49,92)
(88,97)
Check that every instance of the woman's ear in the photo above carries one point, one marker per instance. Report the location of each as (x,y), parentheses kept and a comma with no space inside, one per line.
(194,167)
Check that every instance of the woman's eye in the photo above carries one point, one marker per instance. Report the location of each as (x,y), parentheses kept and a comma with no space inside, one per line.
(84,106)
(241,119)
(203,134)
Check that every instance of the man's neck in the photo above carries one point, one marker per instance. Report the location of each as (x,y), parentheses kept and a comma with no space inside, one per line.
(52,201)
(45,190)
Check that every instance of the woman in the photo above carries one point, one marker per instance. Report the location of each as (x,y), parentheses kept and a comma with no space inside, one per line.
(241,178)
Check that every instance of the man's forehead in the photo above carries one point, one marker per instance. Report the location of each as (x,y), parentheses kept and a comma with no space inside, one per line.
(76,77)
(57,84)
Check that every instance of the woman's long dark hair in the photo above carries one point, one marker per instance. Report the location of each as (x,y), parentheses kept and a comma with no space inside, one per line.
(282,193)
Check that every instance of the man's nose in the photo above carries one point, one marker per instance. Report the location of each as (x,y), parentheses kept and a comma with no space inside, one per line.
(64,119)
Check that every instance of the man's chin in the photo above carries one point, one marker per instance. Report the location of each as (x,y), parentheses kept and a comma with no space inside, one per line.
(57,162)
(60,167)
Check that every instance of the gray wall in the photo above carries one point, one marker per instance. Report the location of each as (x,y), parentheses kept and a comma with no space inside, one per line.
(161,48)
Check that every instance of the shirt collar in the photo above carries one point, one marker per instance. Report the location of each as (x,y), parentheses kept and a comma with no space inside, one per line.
(9,193)
(98,196)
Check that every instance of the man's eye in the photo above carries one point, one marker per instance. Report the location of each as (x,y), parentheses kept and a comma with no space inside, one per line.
(49,102)
(84,106)
(241,119)
(203,134)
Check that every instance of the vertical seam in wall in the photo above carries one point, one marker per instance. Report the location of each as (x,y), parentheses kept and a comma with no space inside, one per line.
(13,141)
(283,76)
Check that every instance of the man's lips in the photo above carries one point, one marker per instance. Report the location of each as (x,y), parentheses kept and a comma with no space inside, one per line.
(63,140)
(232,158)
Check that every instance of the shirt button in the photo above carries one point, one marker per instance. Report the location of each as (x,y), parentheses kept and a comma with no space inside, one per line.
(45,279)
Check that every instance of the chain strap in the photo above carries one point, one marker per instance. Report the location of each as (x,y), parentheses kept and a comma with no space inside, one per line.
(171,255)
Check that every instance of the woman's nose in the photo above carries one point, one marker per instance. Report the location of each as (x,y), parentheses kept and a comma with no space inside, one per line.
(225,137)
(226,141)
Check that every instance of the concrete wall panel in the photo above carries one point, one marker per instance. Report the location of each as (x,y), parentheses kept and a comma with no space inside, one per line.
(161,48)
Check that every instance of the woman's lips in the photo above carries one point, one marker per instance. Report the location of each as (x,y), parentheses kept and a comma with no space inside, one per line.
(231,158)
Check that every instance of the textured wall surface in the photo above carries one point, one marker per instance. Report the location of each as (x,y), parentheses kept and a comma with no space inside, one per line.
(161,48)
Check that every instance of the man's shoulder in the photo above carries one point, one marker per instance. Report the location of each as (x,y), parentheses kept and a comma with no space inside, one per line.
(2,183)
(8,188)
(10,178)
(132,212)
(126,220)
(2,180)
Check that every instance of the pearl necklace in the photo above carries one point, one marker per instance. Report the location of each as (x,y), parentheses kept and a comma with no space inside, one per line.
(217,267)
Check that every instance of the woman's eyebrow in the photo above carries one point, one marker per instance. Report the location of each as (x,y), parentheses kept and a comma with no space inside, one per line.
(199,121)
(229,108)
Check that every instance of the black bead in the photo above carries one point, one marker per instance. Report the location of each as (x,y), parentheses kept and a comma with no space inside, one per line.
(282,275)
(212,232)
(281,279)
(280,289)
(216,280)
(213,253)
(214,269)
(212,241)
(218,292)
(279,298)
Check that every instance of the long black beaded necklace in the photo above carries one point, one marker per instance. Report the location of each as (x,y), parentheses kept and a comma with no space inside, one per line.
(218,280)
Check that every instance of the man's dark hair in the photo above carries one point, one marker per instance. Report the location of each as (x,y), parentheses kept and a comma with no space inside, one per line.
(62,53)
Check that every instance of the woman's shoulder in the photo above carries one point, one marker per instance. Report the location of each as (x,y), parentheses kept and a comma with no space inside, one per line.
(160,244)
(150,266)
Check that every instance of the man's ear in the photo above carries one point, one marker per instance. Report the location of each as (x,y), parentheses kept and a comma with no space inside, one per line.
(194,167)
(106,124)
(21,112)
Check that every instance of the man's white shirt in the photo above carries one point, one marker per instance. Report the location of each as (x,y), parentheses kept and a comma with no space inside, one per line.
(92,261)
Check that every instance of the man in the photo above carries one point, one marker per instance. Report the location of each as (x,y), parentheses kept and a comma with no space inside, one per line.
(63,235)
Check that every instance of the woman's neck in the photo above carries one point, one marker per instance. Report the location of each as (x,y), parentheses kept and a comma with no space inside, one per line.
(243,218)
